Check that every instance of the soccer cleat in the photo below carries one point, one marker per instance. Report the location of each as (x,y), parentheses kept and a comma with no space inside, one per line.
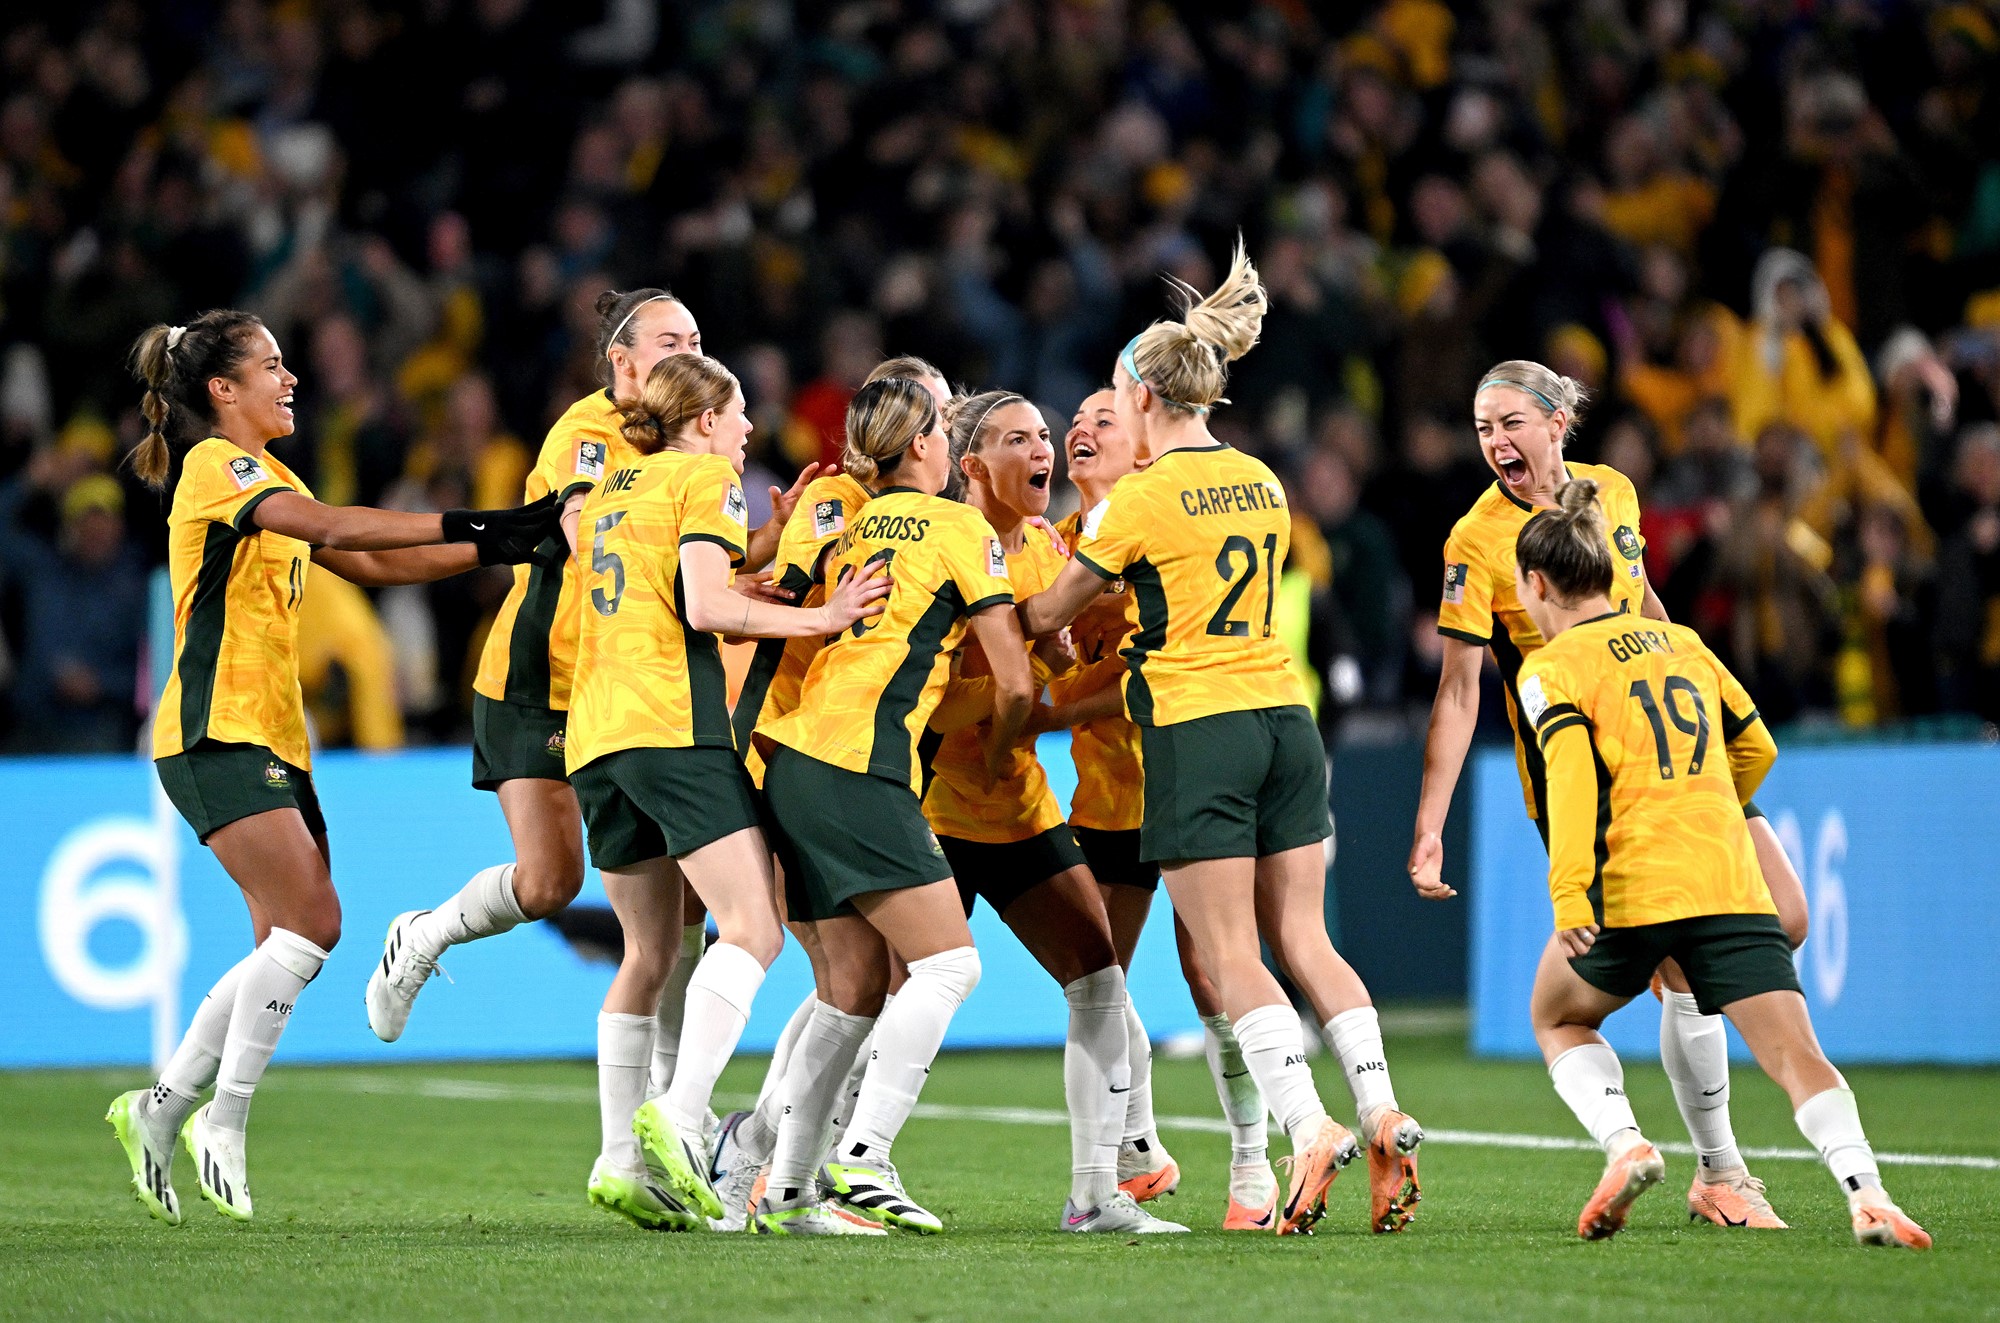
(639,1197)
(1626,1177)
(820,1219)
(1253,1198)
(1118,1215)
(399,976)
(1312,1172)
(218,1157)
(1146,1170)
(679,1158)
(151,1156)
(1879,1222)
(874,1189)
(1393,1193)
(1735,1201)
(1242,1217)
(735,1176)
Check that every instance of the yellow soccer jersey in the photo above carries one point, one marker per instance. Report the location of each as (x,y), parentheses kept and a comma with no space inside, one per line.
(1479,604)
(1110,775)
(1653,748)
(236,609)
(530,652)
(1200,537)
(1020,804)
(771,688)
(871,689)
(645,678)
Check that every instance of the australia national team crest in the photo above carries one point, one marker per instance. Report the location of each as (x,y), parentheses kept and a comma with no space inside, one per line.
(1627,542)
(1454,583)
(277,776)
(556,745)
(247,472)
(829,519)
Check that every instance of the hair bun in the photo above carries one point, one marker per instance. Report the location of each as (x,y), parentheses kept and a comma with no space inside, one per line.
(606,302)
(1577,496)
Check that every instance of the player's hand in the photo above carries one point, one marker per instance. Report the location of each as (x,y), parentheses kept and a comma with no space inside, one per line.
(759,587)
(1427,867)
(1577,941)
(858,596)
(1056,652)
(506,537)
(784,502)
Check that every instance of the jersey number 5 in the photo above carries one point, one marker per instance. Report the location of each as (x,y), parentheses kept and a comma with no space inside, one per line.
(1225,565)
(1697,725)
(604,562)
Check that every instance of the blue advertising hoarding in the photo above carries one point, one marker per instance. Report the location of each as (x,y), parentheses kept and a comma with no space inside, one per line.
(1899,849)
(119,923)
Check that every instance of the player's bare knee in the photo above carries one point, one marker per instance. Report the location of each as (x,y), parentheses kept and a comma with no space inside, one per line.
(544,889)
(858,989)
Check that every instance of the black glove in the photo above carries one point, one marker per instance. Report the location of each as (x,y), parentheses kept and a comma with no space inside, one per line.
(506,537)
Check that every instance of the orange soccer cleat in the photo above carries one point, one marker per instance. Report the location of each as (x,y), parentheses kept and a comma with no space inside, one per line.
(1312,1171)
(1626,1177)
(1242,1217)
(1879,1222)
(1146,1170)
(1393,1193)
(1736,1202)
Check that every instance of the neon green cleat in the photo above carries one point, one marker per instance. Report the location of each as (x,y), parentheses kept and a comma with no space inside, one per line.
(638,1198)
(218,1158)
(152,1160)
(820,1219)
(874,1189)
(684,1165)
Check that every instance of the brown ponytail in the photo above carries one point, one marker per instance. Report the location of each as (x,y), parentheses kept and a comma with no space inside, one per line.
(679,389)
(1567,544)
(882,420)
(175,365)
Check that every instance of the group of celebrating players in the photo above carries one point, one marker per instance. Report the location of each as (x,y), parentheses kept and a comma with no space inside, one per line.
(920,621)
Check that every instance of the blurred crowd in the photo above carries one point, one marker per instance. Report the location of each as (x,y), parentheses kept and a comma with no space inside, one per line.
(1764,233)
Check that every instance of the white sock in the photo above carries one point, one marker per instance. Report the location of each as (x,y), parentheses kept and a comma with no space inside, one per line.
(1592,1082)
(1695,1050)
(1355,1039)
(1139,1122)
(1242,1101)
(1831,1123)
(673,1009)
(1274,1049)
(757,1132)
(483,907)
(624,1042)
(850,1089)
(1252,1184)
(1096,1076)
(811,1088)
(266,990)
(194,1063)
(718,1006)
(907,1037)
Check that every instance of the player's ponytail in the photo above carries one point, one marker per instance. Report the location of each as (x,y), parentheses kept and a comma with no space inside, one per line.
(1548,390)
(1567,544)
(882,420)
(175,365)
(1186,362)
(679,389)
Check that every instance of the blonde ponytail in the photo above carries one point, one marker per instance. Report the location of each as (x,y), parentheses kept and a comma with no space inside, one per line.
(679,389)
(882,420)
(1185,362)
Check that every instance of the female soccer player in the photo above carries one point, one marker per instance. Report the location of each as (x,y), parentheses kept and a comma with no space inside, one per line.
(1235,808)
(1649,858)
(1524,412)
(229,739)
(1005,837)
(654,764)
(841,777)
(1105,813)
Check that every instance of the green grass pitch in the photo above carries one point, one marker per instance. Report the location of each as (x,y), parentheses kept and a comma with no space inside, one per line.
(456,1191)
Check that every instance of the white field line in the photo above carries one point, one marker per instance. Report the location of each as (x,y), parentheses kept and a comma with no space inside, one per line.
(466,1090)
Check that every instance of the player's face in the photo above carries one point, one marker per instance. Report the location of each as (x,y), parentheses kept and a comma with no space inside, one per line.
(1017,460)
(1097,448)
(732,431)
(660,330)
(259,395)
(1522,442)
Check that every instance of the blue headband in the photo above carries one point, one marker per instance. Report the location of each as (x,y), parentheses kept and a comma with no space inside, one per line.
(1131,366)
(1547,403)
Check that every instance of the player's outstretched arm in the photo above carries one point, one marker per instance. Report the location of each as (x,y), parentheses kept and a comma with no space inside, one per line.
(1454,714)
(1058,604)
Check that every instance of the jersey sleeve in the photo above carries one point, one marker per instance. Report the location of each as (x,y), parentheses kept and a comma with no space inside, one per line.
(226,486)
(1752,751)
(572,462)
(976,563)
(1466,612)
(1572,811)
(1111,536)
(713,509)
(822,515)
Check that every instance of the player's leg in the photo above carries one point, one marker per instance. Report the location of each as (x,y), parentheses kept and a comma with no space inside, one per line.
(1253,1188)
(1566,1010)
(547,872)
(850,1092)
(673,998)
(1145,1169)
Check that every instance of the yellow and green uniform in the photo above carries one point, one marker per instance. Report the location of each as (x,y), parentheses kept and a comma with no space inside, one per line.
(1652,748)
(235,677)
(648,715)
(771,688)
(1480,606)
(1233,762)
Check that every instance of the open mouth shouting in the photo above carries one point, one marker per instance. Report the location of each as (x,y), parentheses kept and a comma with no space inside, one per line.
(1039,479)
(1513,470)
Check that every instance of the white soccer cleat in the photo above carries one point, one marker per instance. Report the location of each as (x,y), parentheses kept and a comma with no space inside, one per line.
(1118,1215)
(218,1157)
(399,976)
(734,1176)
(640,1197)
(874,1189)
(150,1152)
(817,1219)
